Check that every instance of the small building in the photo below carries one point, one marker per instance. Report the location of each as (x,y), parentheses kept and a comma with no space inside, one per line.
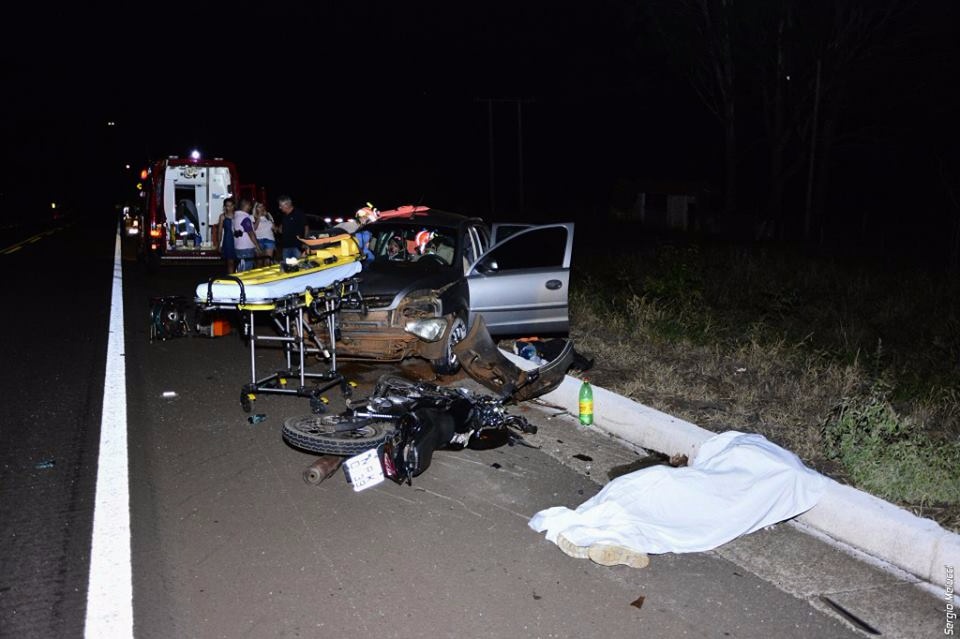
(675,205)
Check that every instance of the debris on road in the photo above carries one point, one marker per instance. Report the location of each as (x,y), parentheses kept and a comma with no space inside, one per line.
(168,318)
(540,351)
(324,467)
(214,328)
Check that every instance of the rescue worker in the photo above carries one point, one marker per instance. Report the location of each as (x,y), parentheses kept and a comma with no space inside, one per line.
(354,226)
(395,248)
(422,240)
(365,216)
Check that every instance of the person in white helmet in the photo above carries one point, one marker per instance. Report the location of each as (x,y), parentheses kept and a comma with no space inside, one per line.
(354,226)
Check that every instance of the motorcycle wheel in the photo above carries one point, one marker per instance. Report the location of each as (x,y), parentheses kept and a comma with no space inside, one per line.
(319,434)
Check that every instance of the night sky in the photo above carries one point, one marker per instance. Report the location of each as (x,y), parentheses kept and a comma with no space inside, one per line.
(338,103)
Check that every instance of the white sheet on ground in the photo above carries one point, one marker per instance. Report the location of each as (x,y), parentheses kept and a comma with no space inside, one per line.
(737,484)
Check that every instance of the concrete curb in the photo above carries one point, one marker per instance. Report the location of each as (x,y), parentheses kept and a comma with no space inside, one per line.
(919,546)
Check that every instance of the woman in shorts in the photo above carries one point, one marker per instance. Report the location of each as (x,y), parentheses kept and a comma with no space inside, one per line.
(263,226)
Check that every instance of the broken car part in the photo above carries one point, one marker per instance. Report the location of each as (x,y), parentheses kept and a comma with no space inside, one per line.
(486,363)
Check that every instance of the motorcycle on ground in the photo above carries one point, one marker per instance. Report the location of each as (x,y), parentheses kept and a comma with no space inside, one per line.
(394,433)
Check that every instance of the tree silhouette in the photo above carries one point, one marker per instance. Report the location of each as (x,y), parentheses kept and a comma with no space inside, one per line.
(780,74)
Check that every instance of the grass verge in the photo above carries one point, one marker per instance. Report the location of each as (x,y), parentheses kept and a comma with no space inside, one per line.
(854,368)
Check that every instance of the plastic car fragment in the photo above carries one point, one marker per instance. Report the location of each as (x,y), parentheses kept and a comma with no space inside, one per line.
(486,363)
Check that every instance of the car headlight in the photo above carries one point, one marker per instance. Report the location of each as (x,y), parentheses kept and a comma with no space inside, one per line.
(429,330)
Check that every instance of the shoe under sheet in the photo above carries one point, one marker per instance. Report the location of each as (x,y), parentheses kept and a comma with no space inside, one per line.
(737,484)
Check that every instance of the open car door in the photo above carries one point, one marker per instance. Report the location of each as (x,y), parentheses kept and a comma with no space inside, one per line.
(521,283)
(502,230)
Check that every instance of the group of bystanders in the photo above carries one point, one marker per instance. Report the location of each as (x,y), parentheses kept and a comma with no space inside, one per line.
(247,233)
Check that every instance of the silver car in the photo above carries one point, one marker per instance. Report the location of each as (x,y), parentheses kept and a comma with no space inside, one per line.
(433,273)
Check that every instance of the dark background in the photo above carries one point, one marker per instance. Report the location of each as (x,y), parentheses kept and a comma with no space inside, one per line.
(339,103)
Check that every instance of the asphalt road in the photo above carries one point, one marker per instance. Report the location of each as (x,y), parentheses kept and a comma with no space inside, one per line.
(53,345)
(228,541)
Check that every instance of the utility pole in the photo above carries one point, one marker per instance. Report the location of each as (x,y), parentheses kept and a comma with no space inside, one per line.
(490,147)
(808,209)
(493,184)
(520,149)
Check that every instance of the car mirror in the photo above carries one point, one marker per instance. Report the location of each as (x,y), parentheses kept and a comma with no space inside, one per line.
(486,267)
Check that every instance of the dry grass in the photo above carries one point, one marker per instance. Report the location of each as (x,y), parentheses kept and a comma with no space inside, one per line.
(731,340)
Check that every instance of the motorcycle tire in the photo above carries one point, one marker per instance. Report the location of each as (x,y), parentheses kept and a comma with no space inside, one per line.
(319,434)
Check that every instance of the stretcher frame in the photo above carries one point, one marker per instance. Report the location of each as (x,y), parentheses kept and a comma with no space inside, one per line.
(288,314)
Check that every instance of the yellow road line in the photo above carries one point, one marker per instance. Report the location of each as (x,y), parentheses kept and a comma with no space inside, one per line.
(29,240)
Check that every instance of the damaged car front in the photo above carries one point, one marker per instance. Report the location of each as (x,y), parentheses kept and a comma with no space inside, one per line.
(391,330)
(416,298)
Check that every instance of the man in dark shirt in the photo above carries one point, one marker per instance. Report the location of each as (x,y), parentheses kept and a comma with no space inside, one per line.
(293,224)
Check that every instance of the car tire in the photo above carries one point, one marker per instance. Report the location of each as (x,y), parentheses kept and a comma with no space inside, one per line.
(449,364)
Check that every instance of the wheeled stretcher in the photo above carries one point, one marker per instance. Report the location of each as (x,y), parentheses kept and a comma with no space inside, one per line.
(316,288)
(337,260)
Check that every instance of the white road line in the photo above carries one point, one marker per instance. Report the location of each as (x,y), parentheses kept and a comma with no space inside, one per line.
(110,589)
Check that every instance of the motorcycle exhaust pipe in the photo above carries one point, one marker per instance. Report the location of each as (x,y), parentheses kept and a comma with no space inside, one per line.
(321,469)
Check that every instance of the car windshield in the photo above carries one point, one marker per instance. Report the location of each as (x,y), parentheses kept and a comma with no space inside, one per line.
(405,243)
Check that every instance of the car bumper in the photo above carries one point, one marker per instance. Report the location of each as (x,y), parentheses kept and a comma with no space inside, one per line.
(380,335)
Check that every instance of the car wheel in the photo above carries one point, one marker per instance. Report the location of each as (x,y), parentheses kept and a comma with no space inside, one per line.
(449,364)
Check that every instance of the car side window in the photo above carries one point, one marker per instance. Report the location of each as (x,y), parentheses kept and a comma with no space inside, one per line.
(469,247)
(539,248)
(482,239)
(473,246)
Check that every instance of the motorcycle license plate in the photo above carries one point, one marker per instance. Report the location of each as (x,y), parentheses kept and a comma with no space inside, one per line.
(364,469)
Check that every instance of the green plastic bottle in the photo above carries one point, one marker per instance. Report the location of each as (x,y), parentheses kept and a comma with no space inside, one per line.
(586,403)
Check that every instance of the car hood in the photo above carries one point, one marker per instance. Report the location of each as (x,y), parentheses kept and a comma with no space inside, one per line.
(382,280)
